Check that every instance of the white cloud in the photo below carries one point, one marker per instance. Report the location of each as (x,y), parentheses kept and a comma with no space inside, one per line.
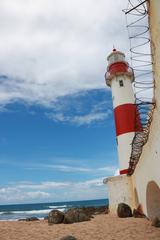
(52,48)
(35,195)
(43,185)
(89,118)
(80,119)
(61,168)
(107,169)
(81,109)
(65,168)
(15,195)
(52,191)
(69,168)
(51,185)
(93,182)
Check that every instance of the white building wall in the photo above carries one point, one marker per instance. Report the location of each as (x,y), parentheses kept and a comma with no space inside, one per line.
(120,190)
(122,95)
(148,168)
(124,149)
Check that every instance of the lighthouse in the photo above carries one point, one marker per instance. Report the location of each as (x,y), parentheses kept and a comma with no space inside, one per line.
(119,77)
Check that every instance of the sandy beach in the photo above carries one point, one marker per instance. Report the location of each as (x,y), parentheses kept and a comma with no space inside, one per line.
(101,227)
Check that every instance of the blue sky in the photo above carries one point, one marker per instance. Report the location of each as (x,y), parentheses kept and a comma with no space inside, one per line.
(57,134)
(37,149)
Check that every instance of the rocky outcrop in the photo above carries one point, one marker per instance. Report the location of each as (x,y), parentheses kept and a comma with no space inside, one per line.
(138,213)
(55,217)
(124,210)
(95,210)
(46,218)
(69,237)
(28,219)
(156,222)
(32,219)
(75,215)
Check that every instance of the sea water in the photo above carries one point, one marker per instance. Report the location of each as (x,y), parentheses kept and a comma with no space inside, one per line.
(41,210)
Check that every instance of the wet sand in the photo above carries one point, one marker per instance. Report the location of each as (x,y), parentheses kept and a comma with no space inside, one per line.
(101,227)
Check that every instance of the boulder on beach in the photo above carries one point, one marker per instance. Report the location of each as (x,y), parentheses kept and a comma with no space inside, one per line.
(124,210)
(22,219)
(32,219)
(69,237)
(89,211)
(75,215)
(55,217)
(46,218)
(138,213)
(101,210)
(95,210)
(156,222)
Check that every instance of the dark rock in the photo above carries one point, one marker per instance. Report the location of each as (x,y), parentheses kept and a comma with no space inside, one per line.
(55,217)
(32,219)
(46,218)
(75,215)
(156,222)
(102,210)
(68,238)
(22,219)
(124,210)
(95,210)
(90,211)
(138,213)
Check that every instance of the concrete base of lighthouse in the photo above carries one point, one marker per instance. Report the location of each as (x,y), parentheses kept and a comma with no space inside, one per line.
(120,190)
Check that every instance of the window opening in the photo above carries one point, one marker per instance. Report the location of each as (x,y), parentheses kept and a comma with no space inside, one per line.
(121,83)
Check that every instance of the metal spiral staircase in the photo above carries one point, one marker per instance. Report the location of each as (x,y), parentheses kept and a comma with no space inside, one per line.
(141,60)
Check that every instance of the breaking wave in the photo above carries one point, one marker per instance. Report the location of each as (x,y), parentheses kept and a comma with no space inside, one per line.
(31,212)
(57,207)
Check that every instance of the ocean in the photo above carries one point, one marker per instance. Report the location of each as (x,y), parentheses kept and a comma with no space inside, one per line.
(41,210)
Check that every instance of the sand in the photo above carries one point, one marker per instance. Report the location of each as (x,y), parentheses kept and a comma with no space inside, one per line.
(101,227)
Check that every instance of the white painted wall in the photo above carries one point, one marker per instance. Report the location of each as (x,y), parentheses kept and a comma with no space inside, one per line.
(120,190)
(148,168)
(122,95)
(124,149)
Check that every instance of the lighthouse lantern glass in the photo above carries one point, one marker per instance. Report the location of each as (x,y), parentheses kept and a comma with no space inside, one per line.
(116,57)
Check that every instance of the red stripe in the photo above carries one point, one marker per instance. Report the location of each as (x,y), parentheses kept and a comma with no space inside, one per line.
(118,67)
(127,119)
(124,171)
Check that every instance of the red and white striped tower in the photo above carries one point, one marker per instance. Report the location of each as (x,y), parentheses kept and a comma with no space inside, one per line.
(119,77)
